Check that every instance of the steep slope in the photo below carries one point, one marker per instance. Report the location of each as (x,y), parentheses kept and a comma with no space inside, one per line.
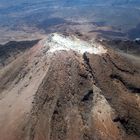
(12,49)
(65,88)
(129,47)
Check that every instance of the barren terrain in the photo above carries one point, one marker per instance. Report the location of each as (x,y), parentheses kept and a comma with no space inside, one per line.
(67,87)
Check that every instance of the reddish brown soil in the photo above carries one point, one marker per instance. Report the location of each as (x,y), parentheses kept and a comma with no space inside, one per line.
(69,97)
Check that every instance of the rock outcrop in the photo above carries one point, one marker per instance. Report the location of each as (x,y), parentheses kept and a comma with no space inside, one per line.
(65,88)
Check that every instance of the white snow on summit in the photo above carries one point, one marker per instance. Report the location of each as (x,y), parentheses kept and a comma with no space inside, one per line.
(57,42)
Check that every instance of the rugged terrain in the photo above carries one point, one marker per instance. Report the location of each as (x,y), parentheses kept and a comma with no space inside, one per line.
(69,88)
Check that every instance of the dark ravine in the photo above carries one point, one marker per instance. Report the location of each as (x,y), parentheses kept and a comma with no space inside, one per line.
(117,94)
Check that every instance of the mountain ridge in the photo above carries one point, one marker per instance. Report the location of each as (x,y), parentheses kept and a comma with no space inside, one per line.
(65,94)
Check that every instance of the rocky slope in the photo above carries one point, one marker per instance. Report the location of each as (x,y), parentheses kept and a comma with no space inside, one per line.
(65,88)
(11,50)
(129,47)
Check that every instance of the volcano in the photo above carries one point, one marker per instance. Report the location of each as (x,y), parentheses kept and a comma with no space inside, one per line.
(65,87)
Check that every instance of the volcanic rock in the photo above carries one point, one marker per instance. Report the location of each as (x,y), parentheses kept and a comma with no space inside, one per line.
(65,88)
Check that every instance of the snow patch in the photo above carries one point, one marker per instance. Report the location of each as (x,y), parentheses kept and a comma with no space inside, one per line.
(57,42)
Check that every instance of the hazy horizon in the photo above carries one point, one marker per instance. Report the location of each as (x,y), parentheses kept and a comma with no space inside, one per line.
(121,16)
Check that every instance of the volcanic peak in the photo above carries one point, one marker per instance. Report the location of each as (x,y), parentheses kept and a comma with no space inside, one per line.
(57,42)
